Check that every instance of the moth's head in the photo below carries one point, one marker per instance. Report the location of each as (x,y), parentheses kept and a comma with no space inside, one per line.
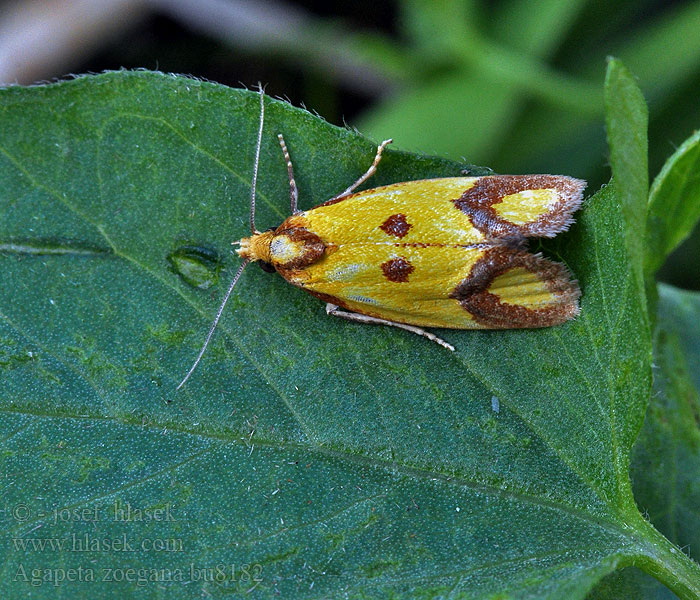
(257,246)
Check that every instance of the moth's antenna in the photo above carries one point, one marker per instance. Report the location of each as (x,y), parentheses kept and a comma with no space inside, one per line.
(253,231)
(215,323)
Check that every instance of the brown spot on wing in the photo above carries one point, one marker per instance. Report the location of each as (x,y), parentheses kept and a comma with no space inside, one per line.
(396,225)
(477,202)
(397,270)
(488,309)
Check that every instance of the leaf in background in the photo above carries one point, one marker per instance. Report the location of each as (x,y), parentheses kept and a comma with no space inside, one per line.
(483,115)
(332,458)
(626,119)
(665,468)
(535,28)
(630,583)
(661,50)
(674,203)
(666,464)
(465,103)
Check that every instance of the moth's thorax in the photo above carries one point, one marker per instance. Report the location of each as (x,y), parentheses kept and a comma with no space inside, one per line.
(288,247)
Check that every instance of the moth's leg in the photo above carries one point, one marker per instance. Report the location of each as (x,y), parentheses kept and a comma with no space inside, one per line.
(332,309)
(371,171)
(293,191)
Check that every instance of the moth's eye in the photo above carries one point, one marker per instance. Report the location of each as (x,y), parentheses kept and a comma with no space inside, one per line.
(271,229)
(266,266)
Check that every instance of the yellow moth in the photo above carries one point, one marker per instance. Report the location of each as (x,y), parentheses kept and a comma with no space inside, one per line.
(448,252)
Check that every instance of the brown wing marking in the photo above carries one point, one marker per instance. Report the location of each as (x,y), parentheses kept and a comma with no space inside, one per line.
(479,202)
(509,288)
(396,225)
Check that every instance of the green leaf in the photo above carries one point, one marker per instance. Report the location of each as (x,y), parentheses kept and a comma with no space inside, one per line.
(663,51)
(535,28)
(466,103)
(630,583)
(483,112)
(678,314)
(454,19)
(674,203)
(665,468)
(626,119)
(307,457)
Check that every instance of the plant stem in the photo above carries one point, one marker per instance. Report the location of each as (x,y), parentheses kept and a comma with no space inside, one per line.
(668,563)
